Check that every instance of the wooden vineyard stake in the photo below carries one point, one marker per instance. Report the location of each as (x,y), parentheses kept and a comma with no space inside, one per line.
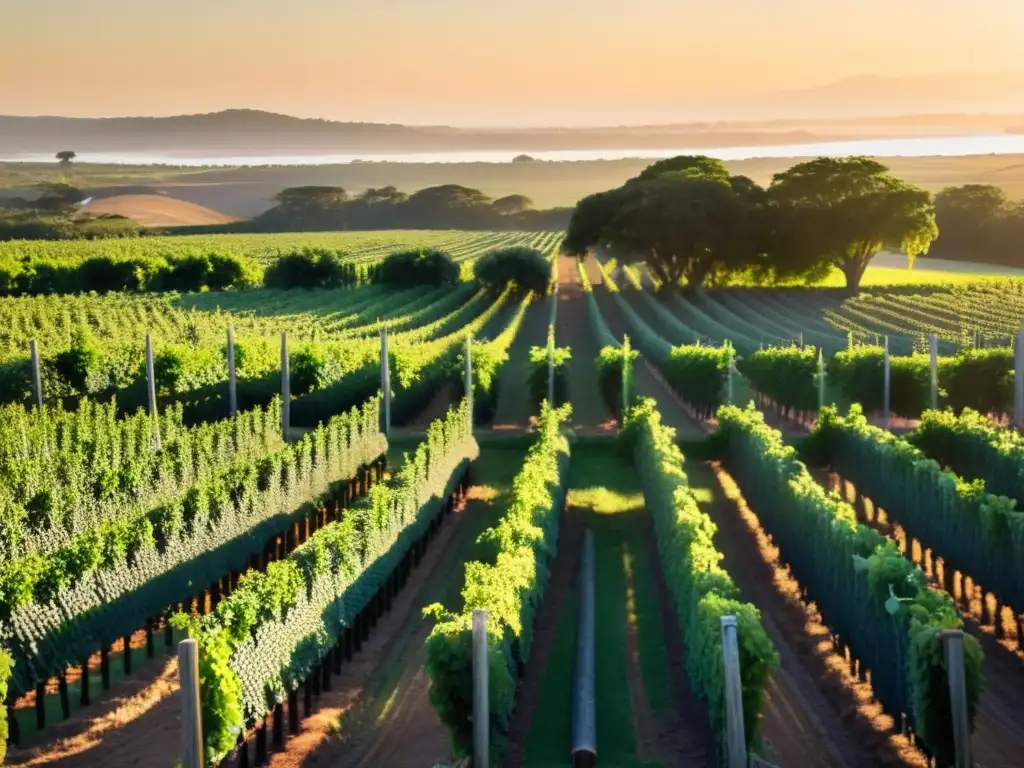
(65,700)
(105,667)
(933,360)
(887,384)
(385,380)
(37,378)
(953,649)
(232,379)
(469,379)
(191,712)
(286,388)
(1018,380)
(151,383)
(736,743)
(481,705)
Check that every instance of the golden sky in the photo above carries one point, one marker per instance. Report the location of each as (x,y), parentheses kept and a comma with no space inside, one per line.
(488,62)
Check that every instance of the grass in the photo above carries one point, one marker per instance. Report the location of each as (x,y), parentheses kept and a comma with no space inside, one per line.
(605,493)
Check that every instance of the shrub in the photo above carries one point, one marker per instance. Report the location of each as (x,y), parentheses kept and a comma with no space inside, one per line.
(538,378)
(75,364)
(526,267)
(788,375)
(426,266)
(698,374)
(613,364)
(307,268)
(701,589)
(510,584)
(185,274)
(104,274)
(232,272)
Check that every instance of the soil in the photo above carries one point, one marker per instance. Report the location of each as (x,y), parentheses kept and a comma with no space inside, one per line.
(156,211)
(683,737)
(352,726)
(563,572)
(437,408)
(138,724)
(999,727)
(514,408)
(573,330)
(648,381)
(817,713)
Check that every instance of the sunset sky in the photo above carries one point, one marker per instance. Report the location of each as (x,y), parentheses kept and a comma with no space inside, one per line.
(466,62)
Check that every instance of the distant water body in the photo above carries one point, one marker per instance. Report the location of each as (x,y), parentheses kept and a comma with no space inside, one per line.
(999,144)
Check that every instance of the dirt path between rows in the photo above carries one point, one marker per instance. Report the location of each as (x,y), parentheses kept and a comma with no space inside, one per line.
(573,330)
(514,408)
(999,726)
(647,380)
(683,734)
(817,714)
(378,711)
(563,574)
(137,724)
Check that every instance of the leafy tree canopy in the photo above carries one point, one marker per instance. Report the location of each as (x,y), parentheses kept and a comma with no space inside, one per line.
(425,266)
(683,216)
(511,204)
(310,198)
(843,211)
(689,165)
(526,267)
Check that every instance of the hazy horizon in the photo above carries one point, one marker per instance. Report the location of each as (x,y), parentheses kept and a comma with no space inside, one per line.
(537,63)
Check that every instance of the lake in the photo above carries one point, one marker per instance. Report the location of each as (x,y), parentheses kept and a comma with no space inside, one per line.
(997,144)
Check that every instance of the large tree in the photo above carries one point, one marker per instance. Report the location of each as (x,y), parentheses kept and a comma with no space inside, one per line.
(966,217)
(684,225)
(512,204)
(65,157)
(843,211)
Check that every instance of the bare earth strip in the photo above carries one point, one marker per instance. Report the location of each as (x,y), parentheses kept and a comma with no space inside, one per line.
(514,408)
(157,211)
(817,714)
(573,330)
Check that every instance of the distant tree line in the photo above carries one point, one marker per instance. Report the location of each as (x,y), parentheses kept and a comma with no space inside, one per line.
(449,206)
(53,215)
(693,223)
(978,223)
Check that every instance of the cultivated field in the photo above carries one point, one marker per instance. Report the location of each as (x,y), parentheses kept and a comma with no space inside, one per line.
(327,550)
(156,211)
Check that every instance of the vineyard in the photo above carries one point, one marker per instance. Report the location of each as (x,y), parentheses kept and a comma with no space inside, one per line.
(291,526)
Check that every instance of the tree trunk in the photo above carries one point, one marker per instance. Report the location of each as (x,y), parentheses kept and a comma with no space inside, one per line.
(853,269)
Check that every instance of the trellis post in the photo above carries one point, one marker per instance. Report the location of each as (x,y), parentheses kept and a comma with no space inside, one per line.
(481,691)
(886,386)
(953,649)
(933,357)
(469,379)
(191,712)
(736,742)
(1018,379)
(286,387)
(37,377)
(151,380)
(232,380)
(385,380)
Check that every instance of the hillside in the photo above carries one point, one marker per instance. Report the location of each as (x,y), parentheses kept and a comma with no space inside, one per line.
(156,211)
(243,132)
